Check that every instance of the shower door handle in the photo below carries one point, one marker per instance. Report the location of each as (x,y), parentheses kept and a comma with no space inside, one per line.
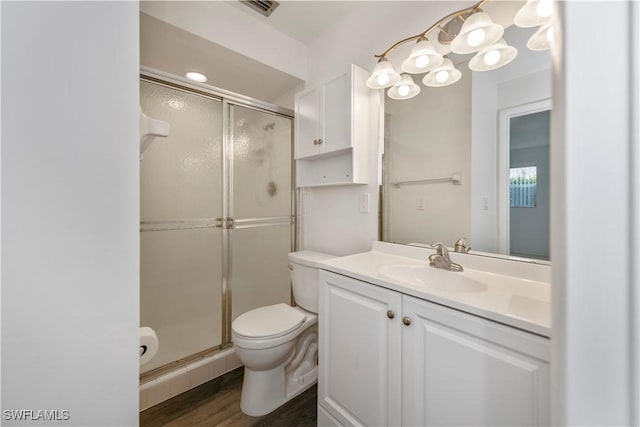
(225,223)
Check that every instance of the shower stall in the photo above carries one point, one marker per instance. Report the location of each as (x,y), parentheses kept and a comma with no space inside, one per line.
(217,216)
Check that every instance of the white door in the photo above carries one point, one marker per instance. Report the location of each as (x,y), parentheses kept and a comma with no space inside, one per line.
(359,359)
(336,113)
(307,123)
(459,369)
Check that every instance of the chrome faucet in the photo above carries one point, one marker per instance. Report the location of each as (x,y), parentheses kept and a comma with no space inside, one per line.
(441,258)
(461,246)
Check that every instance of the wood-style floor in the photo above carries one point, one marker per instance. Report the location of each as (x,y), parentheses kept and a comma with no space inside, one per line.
(217,403)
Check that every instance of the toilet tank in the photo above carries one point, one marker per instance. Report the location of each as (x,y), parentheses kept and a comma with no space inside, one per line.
(304,270)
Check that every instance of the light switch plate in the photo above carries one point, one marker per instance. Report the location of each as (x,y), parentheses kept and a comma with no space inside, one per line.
(364,203)
(485,203)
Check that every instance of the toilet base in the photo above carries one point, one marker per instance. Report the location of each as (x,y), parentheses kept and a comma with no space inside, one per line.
(265,391)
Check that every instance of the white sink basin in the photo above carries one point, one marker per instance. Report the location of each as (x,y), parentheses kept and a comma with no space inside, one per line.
(433,278)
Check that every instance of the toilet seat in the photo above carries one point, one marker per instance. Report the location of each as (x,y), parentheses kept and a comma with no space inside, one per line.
(286,324)
(271,321)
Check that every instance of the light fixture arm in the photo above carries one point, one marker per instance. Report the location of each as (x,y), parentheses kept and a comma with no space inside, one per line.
(425,33)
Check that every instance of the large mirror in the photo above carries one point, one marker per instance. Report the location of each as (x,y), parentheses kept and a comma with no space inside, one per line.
(472,159)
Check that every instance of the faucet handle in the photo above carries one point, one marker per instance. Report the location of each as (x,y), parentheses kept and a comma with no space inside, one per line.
(440,248)
(461,246)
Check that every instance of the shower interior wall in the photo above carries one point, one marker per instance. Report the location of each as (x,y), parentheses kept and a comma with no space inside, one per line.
(224,159)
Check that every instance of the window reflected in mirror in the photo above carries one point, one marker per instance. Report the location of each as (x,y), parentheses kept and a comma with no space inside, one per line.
(522,187)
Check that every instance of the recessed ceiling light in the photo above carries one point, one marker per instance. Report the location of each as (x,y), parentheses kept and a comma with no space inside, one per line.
(196,77)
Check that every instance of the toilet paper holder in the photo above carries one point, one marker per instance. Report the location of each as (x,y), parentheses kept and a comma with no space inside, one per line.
(148,344)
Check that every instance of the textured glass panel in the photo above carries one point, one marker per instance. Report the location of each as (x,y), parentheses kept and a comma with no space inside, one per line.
(181,291)
(261,163)
(180,175)
(260,267)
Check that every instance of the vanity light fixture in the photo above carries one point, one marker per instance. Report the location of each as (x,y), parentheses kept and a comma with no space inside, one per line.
(477,32)
(404,89)
(444,75)
(465,31)
(534,13)
(196,77)
(383,75)
(493,56)
(423,58)
(541,39)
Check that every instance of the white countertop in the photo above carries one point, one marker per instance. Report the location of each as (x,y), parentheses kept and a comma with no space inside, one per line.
(510,292)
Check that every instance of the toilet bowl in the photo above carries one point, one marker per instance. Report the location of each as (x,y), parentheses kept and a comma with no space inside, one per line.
(278,344)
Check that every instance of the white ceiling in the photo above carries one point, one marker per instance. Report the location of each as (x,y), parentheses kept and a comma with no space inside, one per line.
(175,51)
(303,20)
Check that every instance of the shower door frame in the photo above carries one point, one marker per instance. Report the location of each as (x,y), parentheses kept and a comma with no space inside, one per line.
(227,222)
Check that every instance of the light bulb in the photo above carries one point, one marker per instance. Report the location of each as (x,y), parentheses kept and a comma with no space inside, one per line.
(544,8)
(403,90)
(196,77)
(422,61)
(475,37)
(492,57)
(383,79)
(549,34)
(442,76)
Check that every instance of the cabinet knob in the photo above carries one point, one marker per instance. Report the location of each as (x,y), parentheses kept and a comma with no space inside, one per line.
(291,267)
(315,142)
(406,320)
(320,141)
(390,314)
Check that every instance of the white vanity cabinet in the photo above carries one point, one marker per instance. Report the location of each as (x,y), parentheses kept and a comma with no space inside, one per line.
(359,359)
(332,130)
(392,359)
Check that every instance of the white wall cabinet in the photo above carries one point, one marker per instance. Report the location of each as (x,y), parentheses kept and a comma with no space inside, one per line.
(392,359)
(332,130)
(307,127)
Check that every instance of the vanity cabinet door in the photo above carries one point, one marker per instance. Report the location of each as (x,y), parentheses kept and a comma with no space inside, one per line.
(464,370)
(307,123)
(359,380)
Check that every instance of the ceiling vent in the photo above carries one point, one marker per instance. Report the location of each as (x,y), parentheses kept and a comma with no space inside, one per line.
(264,7)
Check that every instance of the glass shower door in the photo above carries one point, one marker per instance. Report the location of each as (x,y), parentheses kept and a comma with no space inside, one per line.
(261,206)
(181,241)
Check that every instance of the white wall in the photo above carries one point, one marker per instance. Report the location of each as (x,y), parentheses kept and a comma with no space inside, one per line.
(70,211)
(635,214)
(592,217)
(526,79)
(331,218)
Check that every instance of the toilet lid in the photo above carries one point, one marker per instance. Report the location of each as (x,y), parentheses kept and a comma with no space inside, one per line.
(272,320)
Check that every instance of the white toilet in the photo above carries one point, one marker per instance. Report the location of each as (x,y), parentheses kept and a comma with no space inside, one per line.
(278,344)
